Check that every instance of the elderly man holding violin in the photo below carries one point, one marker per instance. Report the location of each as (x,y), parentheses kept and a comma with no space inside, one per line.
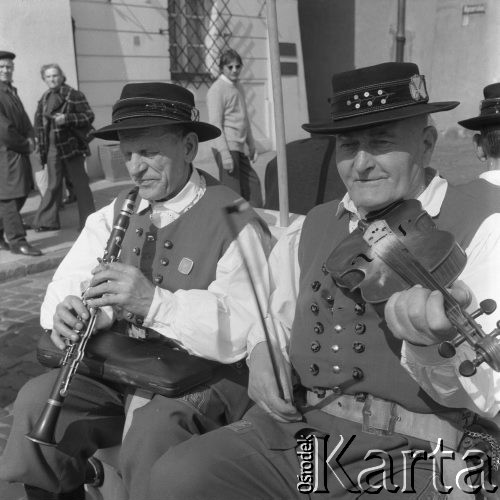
(378,376)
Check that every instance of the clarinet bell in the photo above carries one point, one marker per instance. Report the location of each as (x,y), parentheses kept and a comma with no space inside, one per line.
(44,430)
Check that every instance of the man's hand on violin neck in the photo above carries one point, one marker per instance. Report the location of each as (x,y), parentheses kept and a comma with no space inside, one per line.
(418,315)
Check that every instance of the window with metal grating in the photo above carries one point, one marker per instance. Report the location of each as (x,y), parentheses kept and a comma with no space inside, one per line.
(198,34)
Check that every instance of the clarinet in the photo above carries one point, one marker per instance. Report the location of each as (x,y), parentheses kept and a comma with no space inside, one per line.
(44,429)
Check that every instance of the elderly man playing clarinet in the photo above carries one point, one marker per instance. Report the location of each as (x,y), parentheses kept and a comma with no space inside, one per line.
(181,276)
(374,398)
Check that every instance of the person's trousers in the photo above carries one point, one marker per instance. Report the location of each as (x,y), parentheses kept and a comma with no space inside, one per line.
(74,169)
(92,417)
(259,458)
(11,222)
(243,179)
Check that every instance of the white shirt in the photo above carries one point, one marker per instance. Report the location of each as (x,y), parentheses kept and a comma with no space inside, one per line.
(437,376)
(492,176)
(212,323)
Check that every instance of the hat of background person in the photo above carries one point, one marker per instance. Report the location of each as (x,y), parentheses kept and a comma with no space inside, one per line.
(4,54)
(377,94)
(143,105)
(489,109)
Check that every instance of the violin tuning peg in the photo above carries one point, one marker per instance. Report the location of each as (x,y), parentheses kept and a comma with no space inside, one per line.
(486,306)
(467,368)
(447,349)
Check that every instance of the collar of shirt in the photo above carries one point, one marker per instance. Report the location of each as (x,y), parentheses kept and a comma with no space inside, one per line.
(7,87)
(166,212)
(431,199)
(492,176)
(224,78)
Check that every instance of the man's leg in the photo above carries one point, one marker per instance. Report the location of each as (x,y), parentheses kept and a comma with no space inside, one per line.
(229,179)
(249,182)
(166,422)
(235,461)
(74,169)
(47,214)
(12,221)
(91,418)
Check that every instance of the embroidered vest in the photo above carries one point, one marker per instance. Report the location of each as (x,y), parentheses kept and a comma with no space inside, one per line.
(184,254)
(340,342)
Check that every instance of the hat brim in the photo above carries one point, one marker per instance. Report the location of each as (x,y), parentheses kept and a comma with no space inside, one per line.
(377,118)
(204,131)
(480,122)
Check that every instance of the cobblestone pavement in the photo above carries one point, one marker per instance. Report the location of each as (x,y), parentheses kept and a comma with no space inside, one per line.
(19,330)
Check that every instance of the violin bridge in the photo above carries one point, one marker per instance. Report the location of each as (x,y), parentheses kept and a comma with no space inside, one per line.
(376,231)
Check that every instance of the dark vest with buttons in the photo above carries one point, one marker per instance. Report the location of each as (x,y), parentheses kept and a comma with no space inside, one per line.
(341,343)
(184,254)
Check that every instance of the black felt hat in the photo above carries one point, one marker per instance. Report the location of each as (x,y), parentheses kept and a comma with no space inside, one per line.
(489,109)
(5,54)
(143,105)
(377,94)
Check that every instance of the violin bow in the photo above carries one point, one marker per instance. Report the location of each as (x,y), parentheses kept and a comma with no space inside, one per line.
(241,206)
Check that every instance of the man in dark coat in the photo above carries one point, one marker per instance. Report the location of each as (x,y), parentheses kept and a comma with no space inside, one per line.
(16,179)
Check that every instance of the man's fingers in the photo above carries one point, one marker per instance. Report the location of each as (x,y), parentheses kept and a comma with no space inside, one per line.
(461,293)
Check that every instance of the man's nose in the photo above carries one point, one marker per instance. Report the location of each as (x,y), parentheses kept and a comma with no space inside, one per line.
(137,164)
(363,160)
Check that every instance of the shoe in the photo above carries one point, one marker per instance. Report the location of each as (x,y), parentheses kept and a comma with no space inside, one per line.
(94,474)
(4,245)
(41,229)
(25,249)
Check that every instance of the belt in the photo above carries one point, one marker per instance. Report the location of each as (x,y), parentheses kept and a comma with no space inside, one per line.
(382,417)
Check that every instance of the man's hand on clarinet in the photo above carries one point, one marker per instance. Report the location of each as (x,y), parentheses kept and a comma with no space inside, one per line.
(70,319)
(120,285)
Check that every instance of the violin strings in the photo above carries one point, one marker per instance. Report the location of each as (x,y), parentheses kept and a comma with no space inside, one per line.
(410,269)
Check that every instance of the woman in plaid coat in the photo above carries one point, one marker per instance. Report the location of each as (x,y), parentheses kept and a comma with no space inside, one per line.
(62,120)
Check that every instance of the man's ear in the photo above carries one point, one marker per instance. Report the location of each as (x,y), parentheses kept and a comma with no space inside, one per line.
(478,147)
(430,136)
(190,147)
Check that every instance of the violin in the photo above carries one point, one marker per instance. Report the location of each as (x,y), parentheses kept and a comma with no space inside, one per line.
(400,246)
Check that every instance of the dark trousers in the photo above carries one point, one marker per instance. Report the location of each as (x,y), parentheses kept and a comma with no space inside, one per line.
(74,169)
(11,222)
(243,179)
(92,417)
(259,458)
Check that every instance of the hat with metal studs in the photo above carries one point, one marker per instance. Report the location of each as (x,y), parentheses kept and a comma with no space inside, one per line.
(375,95)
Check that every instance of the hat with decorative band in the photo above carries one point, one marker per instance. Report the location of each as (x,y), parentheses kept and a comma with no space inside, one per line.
(144,105)
(5,54)
(377,94)
(489,109)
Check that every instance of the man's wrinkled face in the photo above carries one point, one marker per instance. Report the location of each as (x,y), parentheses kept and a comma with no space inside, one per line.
(53,78)
(158,160)
(6,70)
(385,163)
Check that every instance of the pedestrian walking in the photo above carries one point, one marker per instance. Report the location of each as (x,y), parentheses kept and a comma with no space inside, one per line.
(227,110)
(62,120)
